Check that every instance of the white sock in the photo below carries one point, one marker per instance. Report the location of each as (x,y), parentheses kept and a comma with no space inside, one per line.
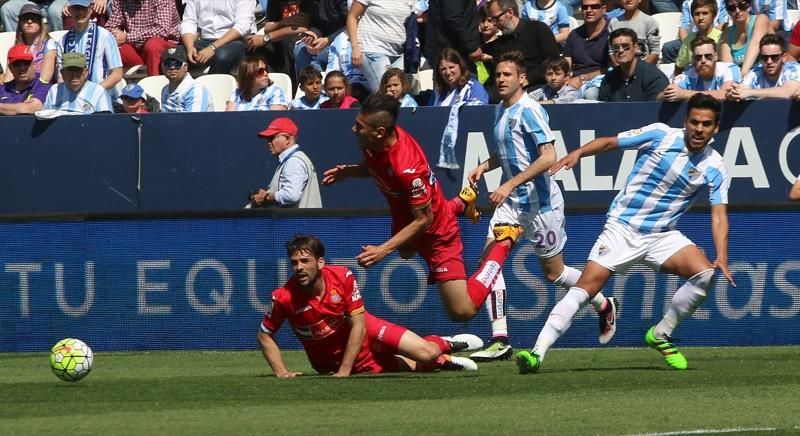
(685,301)
(569,278)
(496,307)
(560,319)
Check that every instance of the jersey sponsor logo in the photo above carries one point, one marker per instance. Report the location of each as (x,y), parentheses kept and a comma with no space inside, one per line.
(356,293)
(418,188)
(441,269)
(488,273)
(409,171)
(321,329)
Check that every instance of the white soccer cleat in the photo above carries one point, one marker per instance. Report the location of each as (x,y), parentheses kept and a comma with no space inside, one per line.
(455,363)
(495,351)
(464,342)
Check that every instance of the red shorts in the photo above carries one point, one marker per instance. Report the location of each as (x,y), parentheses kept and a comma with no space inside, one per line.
(443,258)
(383,338)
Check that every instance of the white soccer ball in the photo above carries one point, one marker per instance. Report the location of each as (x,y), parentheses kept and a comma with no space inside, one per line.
(71,359)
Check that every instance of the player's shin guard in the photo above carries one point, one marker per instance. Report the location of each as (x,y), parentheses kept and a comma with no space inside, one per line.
(443,345)
(496,308)
(480,284)
(685,301)
(560,319)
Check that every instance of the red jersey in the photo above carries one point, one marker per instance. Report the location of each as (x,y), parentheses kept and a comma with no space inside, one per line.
(404,176)
(320,323)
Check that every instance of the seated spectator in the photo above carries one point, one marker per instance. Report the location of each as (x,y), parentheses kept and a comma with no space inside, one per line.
(25,93)
(489,33)
(96,43)
(706,74)
(772,78)
(550,12)
(703,13)
(587,49)
(557,89)
(777,14)
(340,59)
(182,93)
(338,91)
(222,27)
(12,11)
(310,80)
(794,43)
(669,51)
(255,91)
(143,30)
(133,100)
(76,93)
(646,28)
(33,33)
(739,42)
(632,79)
(395,83)
(453,84)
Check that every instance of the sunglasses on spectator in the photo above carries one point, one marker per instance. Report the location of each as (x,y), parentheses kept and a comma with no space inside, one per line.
(742,6)
(700,57)
(620,47)
(771,57)
(496,18)
(261,71)
(171,63)
(593,6)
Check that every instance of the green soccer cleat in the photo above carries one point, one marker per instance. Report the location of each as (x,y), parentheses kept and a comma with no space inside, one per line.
(495,351)
(528,363)
(667,349)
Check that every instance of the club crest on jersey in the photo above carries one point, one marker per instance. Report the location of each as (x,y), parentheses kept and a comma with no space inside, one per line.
(602,250)
(693,172)
(512,123)
(418,188)
(632,132)
(335,297)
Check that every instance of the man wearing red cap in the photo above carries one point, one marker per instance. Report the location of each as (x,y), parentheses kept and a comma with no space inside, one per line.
(295,181)
(26,93)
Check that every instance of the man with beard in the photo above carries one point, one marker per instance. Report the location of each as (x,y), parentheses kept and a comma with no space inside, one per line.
(706,75)
(773,78)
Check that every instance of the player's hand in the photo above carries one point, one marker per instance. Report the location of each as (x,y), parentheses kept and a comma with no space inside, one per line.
(334,175)
(370,255)
(500,195)
(288,374)
(723,266)
(475,175)
(569,161)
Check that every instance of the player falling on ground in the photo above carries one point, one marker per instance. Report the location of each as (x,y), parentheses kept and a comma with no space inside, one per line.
(324,308)
(529,198)
(674,166)
(423,221)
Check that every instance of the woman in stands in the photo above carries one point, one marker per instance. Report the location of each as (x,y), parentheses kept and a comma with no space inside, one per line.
(255,91)
(33,33)
(453,84)
(739,42)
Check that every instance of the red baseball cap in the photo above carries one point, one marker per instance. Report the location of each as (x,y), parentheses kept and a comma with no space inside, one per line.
(19,52)
(279,125)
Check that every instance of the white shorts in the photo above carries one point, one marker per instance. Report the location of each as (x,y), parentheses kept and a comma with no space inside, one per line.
(619,247)
(544,229)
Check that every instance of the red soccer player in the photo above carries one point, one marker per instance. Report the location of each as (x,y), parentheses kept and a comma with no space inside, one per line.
(324,308)
(423,221)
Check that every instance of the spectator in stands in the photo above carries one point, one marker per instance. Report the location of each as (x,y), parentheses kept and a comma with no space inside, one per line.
(310,80)
(182,93)
(452,24)
(143,30)
(777,13)
(660,6)
(222,27)
(338,92)
(453,84)
(739,43)
(489,33)
(632,79)
(340,59)
(395,83)
(378,34)
(285,23)
(794,194)
(327,18)
(96,43)
(135,101)
(646,28)
(557,90)
(550,12)
(255,91)
(12,11)
(33,33)
(532,38)
(295,182)
(669,51)
(772,78)
(77,94)
(794,43)
(25,93)
(587,49)
(703,13)
(706,75)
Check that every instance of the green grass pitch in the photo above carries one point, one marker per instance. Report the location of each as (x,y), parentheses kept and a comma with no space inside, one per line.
(614,391)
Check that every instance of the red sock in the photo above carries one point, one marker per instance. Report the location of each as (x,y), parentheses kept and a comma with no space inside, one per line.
(479,286)
(443,345)
(457,205)
(432,365)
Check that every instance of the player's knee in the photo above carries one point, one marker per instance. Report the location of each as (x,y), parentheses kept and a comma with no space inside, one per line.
(461,314)
(702,280)
(428,353)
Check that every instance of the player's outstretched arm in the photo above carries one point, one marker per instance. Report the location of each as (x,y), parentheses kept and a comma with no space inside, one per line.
(358,330)
(342,171)
(794,194)
(371,254)
(596,146)
(719,232)
(475,175)
(272,354)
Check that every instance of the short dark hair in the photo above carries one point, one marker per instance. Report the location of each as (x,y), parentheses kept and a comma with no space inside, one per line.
(697,4)
(557,63)
(506,5)
(704,101)
(772,39)
(307,243)
(307,74)
(702,40)
(515,57)
(623,31)
(382,104)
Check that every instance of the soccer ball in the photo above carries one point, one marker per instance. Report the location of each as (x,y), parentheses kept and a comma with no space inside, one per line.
(71,359)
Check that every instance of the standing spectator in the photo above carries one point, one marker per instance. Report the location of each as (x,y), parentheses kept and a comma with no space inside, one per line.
(703,12)
(295,182)
(96,43)
(143,30)
(705,76)
(222,26)
(377,33)
(25,93)
(340,58)
(338,91)
(327,20)
(587,48)
(452,24)
(310,80)
(453,84)
(12,10)
(632,79)
(557,90)
(550,12)
(33,33)
(395,83)
(532,38)
(77,94)
(772,78)
(646,28)
(739,43)
(182,93)
(255,91)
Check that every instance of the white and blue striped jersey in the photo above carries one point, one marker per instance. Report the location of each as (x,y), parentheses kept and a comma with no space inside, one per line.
(723,72)
(189,96)
(519,131)
(555,15)
(106,53)
(756,79)
(269,96)
(774,10)
(90,99)
(300,103)
(408,101)
(666,178)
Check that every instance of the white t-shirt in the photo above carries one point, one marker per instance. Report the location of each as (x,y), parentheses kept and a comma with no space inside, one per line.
(382,27)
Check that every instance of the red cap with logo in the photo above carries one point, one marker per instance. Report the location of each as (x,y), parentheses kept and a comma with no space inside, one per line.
(279,125)
(19,52)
